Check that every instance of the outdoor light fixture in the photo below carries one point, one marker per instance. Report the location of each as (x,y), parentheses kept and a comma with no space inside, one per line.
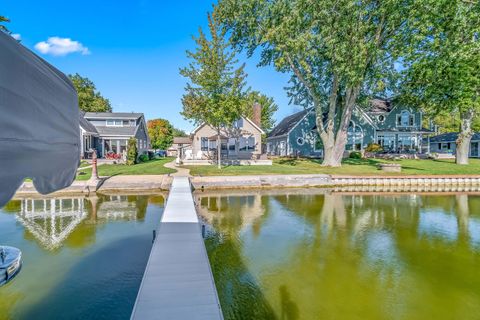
(39,122)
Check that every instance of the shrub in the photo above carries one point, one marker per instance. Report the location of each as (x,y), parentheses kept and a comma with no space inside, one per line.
(151,155)
(373,147)
(143,158)
(132,153)
(355,155)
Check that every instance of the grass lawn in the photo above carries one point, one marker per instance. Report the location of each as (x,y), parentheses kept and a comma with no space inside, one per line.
(146,168)
(349,167)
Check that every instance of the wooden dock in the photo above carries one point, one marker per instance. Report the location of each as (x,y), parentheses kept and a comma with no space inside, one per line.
(178,282)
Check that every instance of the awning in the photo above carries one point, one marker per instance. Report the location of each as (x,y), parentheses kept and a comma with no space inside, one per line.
(39,122)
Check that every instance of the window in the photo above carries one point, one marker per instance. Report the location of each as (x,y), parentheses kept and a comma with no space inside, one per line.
(212,145)
(204,143)
(231,144)
(381,118)
(114,123)
(405,119)
(247,144)
(300,141)
(238,123)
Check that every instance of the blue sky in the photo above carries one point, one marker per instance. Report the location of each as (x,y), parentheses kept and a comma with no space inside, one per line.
(132,50)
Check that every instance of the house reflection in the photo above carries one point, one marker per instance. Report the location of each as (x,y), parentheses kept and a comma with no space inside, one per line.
(52,221)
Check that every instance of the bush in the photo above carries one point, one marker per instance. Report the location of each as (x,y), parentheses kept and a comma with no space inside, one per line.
(143,158)
(373,147)
(151,155)
(355,155)
(132,153)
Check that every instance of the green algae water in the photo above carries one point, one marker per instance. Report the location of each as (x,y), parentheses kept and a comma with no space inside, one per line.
(309,254)
(83,258)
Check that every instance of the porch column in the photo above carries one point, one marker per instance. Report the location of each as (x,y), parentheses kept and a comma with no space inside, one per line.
(103,146)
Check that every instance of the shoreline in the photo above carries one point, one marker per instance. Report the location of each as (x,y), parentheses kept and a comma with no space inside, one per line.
(162,183)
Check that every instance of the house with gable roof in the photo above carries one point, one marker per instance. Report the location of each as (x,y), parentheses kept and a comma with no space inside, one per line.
(397,128)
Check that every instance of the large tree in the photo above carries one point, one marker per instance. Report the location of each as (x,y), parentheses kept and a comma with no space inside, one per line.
(443,64)
(161,133)
(269,107)
(215,90)
(335,50)
(89,98)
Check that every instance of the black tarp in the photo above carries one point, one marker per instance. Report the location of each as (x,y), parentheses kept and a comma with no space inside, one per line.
(39,130)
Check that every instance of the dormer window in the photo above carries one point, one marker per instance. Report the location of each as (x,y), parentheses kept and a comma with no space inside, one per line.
(114,123)
(405,119)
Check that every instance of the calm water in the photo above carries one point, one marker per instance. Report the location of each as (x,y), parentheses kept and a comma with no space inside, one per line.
(84,258)
(307,255)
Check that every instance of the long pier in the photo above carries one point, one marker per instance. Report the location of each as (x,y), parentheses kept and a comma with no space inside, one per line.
(178,282)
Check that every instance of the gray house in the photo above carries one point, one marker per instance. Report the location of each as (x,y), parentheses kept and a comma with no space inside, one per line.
(108,132)
(446,143)
(395,127)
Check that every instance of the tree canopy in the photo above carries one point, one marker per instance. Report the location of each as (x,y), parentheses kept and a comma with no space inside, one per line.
(269,107)
(442,64)
(335,50)
(160,132)
(215,89)
(89,98)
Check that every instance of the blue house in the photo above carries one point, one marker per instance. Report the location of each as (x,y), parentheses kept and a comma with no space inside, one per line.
(395,127)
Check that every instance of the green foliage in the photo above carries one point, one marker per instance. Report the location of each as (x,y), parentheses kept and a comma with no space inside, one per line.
(132,152)
(269,107)
(161,133)
(143,158)
(374,147)
(2,21)
(178,133)
(336,51)
(442,72)
(214,93)
(89,99)
(355,155)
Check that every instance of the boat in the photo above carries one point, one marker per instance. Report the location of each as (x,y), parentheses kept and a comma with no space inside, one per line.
(10,263)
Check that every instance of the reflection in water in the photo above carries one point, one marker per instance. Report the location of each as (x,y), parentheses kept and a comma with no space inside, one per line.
(51,221)
(83,257)
(310,254)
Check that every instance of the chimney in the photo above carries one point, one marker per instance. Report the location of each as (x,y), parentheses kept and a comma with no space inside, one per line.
(257,114)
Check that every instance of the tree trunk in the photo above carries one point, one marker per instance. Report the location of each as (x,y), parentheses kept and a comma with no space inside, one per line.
(219,150)
(334,144)
(464,138)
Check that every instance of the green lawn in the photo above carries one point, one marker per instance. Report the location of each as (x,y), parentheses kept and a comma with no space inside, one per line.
(150,167)
(349,167)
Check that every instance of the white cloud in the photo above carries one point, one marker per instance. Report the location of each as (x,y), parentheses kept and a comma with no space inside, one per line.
(16,36)
(61,46)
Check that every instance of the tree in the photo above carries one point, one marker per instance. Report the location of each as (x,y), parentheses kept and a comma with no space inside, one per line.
(214,94)
(89,99)
(269,107)
(337,51)
(132,151)
(161,133)
(2,21)
(442,72)
(178,132)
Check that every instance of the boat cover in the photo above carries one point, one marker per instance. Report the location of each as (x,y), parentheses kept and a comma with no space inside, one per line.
(39,122)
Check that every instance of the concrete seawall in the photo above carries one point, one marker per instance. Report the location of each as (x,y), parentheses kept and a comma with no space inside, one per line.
(329,181)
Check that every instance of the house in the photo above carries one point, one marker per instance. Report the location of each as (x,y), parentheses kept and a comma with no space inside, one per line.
(241,141)
(395,127)
(109,132)
(446,144)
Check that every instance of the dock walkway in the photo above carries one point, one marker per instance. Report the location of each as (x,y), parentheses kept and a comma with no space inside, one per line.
(178,282)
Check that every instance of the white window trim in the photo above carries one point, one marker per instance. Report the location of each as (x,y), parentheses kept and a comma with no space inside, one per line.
(411,114)
(114,121)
